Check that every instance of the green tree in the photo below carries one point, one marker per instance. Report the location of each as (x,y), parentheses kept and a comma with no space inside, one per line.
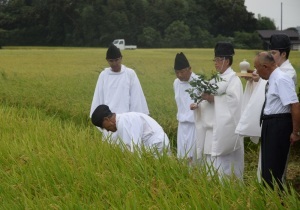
(228,16)
(201,38)
(23,21)
(244,40)
(265,23)
(177,34)
(149,38)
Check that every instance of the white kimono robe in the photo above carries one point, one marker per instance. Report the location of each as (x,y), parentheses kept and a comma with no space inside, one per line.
(185,116)
(138,129)
(121,91)
(216,122)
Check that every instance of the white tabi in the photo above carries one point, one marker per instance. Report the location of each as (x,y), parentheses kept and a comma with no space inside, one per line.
(121,91)
(138,129)
(216,122)
(185,116)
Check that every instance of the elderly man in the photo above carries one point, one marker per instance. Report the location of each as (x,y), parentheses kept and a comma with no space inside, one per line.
(185,116)
(280,119)
(217,118)
(133,128)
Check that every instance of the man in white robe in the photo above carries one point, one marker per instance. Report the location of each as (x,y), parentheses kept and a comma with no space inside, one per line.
(134,129)
(185,116)
(254,94)
(119,87)
(217,117)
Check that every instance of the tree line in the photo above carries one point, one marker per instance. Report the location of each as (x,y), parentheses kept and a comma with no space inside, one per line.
(147,23)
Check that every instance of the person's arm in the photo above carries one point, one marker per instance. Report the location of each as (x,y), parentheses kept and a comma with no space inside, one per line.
(208,97)
(295,111)
(138,101)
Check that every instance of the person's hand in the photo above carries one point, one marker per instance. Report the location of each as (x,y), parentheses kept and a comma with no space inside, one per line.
(193,106)
(255,76)
(208,97)
(249,79)
(294,138)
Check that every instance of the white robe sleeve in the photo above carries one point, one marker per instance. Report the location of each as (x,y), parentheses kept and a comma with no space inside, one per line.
(138,101)
(254,97)
(227,114)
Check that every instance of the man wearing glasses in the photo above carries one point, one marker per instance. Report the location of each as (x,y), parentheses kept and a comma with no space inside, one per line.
(217,144)
(118,87)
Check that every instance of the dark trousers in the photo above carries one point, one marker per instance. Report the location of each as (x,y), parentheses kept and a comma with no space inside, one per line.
(275,146)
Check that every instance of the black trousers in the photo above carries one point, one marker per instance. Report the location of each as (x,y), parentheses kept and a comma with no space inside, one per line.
(275,146)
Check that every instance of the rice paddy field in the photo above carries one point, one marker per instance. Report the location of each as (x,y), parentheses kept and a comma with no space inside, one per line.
(51,157)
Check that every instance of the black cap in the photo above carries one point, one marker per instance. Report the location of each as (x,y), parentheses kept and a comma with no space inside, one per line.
(181,62)
(99,114)
(113,52)
(223,49)
(279,42)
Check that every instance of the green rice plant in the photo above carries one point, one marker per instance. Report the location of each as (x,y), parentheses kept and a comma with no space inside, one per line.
(49,163)
(53,158)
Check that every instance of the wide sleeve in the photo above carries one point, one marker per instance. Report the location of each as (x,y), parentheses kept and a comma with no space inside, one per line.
(98,93)
(252,104)
(234,94)
(227,114)
(138,101)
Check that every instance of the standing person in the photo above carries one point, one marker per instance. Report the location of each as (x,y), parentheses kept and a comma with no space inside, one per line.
(217,118)
(255,91)
(280,46)
(119,83)
(133,128)
(185,116)
(280,119)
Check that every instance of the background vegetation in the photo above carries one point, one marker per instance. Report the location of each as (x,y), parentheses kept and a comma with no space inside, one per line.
(147,23)
(53,158)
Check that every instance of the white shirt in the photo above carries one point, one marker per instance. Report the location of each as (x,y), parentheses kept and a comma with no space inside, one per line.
(281,93)
(287,67)
(135,128)
(121,91)
(183,100)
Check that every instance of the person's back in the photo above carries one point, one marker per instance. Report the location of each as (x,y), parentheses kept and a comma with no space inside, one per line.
(140,128)
(133,128)
(142,124)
